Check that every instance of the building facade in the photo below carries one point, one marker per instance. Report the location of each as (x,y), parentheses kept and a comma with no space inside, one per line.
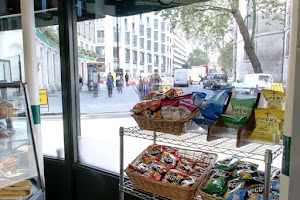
(271,43)
(145,43)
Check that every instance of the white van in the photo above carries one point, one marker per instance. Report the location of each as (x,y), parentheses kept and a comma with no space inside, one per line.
(182,77)
(251,83)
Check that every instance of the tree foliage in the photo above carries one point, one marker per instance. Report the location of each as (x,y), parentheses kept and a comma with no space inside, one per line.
(226,56)
(211,23)
(198,57)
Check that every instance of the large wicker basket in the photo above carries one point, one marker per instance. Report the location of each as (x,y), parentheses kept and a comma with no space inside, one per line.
(205,196)
(175,127)
(174,192)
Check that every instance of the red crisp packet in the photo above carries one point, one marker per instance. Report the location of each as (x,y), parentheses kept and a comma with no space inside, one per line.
(191,107)
(139,108)
(149,159)
(160,168)
(186,167)
(175,176)
(155,150)
(169,159)
(170,102)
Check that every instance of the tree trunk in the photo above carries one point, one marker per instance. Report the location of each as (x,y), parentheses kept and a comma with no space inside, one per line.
(249,48)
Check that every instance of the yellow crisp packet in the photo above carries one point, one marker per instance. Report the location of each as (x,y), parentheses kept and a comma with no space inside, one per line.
(268,123)
(275,99)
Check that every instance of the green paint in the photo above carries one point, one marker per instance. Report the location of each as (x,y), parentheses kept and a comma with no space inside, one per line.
(286,155)
(86,57)
(36,114)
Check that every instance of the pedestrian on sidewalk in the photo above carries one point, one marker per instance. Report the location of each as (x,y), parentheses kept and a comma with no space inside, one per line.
(127,79)
(110,84)
(145,86)
(140,86)
(119,83)
(80,82)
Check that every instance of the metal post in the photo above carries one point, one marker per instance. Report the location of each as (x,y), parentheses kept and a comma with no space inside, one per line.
(118,51)
(121,181)
(154,137)
(268,162)
(31,72)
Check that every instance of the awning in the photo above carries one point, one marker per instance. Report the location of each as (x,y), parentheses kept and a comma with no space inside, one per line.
(46,12)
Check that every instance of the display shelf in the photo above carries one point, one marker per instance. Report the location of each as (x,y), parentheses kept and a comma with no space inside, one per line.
(197,140)
(128,188)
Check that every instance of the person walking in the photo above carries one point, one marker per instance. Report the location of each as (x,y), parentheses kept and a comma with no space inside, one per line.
(145,86)
(127,79)
(110,84)
(119,82)
(80,82)
(155,80)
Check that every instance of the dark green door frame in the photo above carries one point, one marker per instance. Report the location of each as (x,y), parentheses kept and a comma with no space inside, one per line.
(70,87)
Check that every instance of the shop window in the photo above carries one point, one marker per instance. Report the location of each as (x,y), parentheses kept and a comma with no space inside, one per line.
(127,55)
(142,43)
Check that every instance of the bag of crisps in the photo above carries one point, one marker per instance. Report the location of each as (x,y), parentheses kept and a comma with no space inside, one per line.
(242,107)
(275,99)
(268,123)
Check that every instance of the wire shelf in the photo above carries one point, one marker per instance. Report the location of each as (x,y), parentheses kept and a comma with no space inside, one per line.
(198,140)
(128,188)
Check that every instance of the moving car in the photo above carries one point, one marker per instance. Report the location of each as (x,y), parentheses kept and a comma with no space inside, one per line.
(252,83)
(215,80)
(182,77)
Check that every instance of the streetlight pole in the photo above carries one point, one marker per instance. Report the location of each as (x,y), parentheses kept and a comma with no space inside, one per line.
(118,53)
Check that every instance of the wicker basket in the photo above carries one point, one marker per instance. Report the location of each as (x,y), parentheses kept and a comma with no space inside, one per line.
(167,190)
(205,196)
(175,127)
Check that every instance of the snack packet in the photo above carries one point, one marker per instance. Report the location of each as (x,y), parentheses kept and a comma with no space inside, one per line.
(227,164)
(214,108)
(244,165)
(169,109)
(169,160)
(199,98)
(247,174)
(174,176)
(233,121)
(186,167)
(215,186)
(267,125)
(275,185)
(188,182)
(139,108)
(158,114)
(275,99)
(155,150)
(254,191)
(202,121)
(150,96)
(173,93)
(184,112)
(209,115)
(242,107)
(147,113)
(191,107)
(235,190)
(153,105)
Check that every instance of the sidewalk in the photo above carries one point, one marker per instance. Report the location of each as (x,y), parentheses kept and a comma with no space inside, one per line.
(119,102)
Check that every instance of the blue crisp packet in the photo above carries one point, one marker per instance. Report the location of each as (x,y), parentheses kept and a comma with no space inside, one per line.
(209,114)
(201,121)
(227,90)
(213,108)
(275,186)
(218,97)
(199,98)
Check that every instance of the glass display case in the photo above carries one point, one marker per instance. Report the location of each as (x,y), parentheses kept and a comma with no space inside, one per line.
(19,171)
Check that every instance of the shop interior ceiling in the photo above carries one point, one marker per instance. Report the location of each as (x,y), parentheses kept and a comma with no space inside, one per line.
(46,13)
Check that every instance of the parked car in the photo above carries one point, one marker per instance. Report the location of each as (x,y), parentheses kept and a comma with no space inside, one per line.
(215,80)
(252,83)
(182,77)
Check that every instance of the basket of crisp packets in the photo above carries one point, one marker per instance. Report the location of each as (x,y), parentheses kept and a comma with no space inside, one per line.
(233,178)
(166,112)
(170,172)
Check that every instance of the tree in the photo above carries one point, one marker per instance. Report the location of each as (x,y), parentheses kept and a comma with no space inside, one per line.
(186,66)
(198,57)
(226,55)
(211,21)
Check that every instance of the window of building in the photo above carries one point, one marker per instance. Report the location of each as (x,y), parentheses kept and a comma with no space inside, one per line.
(115,52)
(149,45)
(163,26)
(134,57)
(155,35)
(155,46)
(141,16)
(127,55)
(100,51)
(142,45)
(133,28)
(250,14)
(163,48)
(163,37)
(100,36)
(127,37)
(163,60)
(148,20)
(81,45)
(149,58)
(156,60)
(155,23)
(92,49)
(150,69)
(148,32)
(100,23)
(287,48)
(141,30)
(86,29)
(134,40)
(86,47)
(167,38)
(142,58)
(125,22)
